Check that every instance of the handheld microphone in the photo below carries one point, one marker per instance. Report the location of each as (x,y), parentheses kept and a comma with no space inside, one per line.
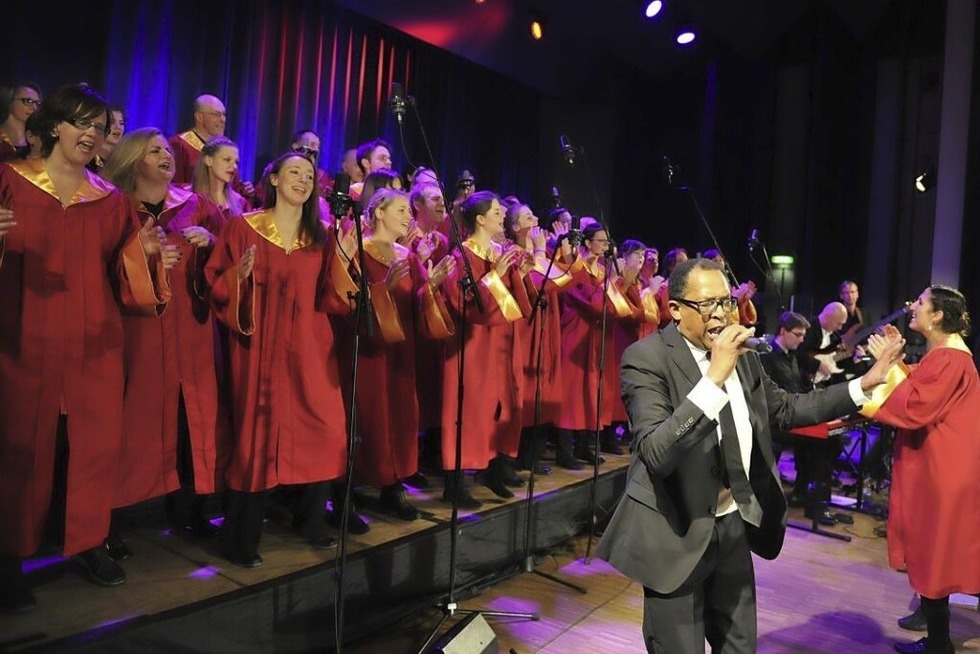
(567,149)
(754,238)
(757,344)
(397,102)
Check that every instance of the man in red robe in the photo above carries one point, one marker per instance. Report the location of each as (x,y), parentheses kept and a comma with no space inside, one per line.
(209,121)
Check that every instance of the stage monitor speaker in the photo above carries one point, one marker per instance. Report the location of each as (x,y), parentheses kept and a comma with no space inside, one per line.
(471,635)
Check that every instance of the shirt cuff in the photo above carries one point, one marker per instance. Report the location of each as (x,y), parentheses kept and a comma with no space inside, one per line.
(857,393)
(707,396)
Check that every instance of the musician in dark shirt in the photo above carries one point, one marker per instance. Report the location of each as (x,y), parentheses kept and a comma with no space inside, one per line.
(813,458)
(848,294)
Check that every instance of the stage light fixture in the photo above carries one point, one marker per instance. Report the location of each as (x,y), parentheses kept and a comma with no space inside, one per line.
(537,28)
(926,180)
(685,36)
(782,260)
(651,9)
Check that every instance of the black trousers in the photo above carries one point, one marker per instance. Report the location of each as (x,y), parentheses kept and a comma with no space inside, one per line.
(716,603)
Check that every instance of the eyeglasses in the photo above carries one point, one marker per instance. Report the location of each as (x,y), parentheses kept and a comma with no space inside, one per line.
(707,308)
(84,124)
(307,151)
(799,334)
(219,114)
(30,102)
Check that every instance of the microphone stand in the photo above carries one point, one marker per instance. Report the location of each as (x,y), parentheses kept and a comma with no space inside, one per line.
(540,306)
(609,254)
(672,171)
(467,287)
(340,204)
(768,272)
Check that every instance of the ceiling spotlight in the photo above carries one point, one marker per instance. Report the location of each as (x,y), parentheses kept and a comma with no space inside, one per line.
(686,36)
(537,29)
(926,180)
(653,8)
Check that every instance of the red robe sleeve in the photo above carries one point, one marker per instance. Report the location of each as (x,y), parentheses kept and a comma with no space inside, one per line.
(925,397)
(231,298)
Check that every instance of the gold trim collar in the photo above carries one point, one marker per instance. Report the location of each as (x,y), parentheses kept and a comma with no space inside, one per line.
(92,188)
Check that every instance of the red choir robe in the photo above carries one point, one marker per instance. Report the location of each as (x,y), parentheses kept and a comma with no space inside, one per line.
(186,148)
(934,504)
(429,355)
(8,151)
(494,366)
(173,357)
(544,337)
(581,328)
(645,320)
(289,420)
(64,272)
(387,408)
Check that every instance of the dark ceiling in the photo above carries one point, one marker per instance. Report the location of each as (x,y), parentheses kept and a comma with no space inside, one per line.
(587,39)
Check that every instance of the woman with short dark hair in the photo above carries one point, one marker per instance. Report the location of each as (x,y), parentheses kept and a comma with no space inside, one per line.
(72,257)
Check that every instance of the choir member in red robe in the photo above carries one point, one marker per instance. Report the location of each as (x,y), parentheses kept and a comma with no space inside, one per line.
(209,121)
(20,102)
(407,307)
(215,175)
(672,259)
(174,434)
(273,275)
(582,342)
(933,530)
(493,354)
(428,243)
(543,383)
(71,255)
(643,320)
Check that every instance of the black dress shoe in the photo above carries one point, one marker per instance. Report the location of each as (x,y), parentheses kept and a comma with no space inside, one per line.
(116,547)
(843,518)
(822,517)
(241,558)
(199,527)
(464,500)
(323,542)
(496,484)
(923,646)
(393,501)
(99,568)
(418,480)
(568,463)
(589,456)
(355,523)
(914,621)
(611,448)
(542,469)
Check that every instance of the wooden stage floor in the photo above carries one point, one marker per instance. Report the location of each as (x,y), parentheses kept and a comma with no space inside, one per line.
(820,596)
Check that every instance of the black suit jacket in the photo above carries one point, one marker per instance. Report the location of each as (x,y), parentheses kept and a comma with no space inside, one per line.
(665,518)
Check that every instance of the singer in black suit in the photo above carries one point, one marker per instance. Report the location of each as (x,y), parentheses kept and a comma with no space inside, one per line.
(702,490)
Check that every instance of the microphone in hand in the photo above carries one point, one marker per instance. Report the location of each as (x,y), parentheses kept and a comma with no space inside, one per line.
(757,344)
